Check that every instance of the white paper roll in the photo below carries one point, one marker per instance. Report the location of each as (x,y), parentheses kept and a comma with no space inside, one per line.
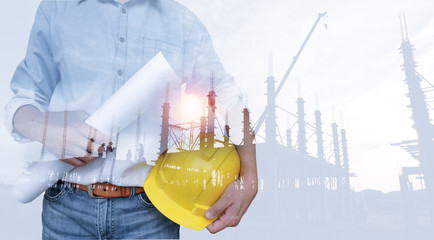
(134,97)
(37,178)
(122,108)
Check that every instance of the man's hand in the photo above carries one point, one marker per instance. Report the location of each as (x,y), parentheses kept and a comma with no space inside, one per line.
(237,197)
(64,134)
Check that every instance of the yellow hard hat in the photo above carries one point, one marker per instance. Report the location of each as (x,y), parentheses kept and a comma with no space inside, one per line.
(183,185)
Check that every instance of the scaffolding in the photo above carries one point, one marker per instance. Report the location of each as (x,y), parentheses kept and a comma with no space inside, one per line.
(420,94)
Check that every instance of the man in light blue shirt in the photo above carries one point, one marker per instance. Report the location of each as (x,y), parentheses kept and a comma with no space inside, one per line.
(82,51)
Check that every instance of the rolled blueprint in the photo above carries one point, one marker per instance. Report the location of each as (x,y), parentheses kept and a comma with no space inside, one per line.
(134,97)
(37,178)
(122,108)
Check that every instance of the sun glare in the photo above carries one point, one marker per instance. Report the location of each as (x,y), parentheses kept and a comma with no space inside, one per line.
(192,108)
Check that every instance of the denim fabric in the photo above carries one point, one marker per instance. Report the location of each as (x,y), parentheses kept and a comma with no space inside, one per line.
(70,213)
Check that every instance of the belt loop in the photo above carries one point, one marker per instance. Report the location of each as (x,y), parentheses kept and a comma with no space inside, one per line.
(63,185)
(132,192)
(68,186)
(72,188)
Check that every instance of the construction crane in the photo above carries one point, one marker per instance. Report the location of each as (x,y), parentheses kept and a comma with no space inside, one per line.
(294,61)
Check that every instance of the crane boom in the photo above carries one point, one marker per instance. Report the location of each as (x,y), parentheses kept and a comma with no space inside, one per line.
(294,61)
(298,54)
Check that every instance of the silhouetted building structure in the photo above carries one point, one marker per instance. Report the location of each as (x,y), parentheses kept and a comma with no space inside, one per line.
(422,149)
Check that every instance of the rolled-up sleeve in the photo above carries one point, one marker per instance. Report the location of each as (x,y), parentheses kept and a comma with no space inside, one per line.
(200,62)
(36,76)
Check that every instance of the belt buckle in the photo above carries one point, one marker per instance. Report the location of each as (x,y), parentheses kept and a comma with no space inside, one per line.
(90,191)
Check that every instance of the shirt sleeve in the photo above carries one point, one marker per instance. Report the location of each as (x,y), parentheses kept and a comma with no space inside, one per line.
(36,76)
(200,63)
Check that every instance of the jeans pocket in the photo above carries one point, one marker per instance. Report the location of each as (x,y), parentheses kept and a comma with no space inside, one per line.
(144,200)
(55,192)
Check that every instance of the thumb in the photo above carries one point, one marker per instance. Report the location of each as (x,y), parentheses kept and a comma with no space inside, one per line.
(218,208)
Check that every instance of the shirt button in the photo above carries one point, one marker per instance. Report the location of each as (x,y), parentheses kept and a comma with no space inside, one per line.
(122,39)
(124,10)
(120,72)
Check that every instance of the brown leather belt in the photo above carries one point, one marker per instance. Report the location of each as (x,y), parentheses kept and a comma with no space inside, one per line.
(107,190)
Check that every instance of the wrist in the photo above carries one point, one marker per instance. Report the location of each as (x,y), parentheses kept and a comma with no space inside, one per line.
(249,182)
(249,178)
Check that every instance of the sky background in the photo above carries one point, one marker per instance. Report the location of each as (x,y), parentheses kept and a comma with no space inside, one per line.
(354,67)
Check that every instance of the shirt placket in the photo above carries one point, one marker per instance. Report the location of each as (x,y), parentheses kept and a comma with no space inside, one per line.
(121,45)
(120,62)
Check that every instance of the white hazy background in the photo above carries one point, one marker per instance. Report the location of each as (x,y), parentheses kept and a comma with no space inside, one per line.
(354,66)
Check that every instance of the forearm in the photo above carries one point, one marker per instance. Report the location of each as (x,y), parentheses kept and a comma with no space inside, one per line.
(27,121)
(49,128)
(248,169)
(246,150)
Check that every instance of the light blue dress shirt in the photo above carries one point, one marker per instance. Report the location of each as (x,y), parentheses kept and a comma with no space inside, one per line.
(81,52)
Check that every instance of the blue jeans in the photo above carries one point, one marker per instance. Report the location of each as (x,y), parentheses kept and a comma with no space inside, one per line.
(70,213)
